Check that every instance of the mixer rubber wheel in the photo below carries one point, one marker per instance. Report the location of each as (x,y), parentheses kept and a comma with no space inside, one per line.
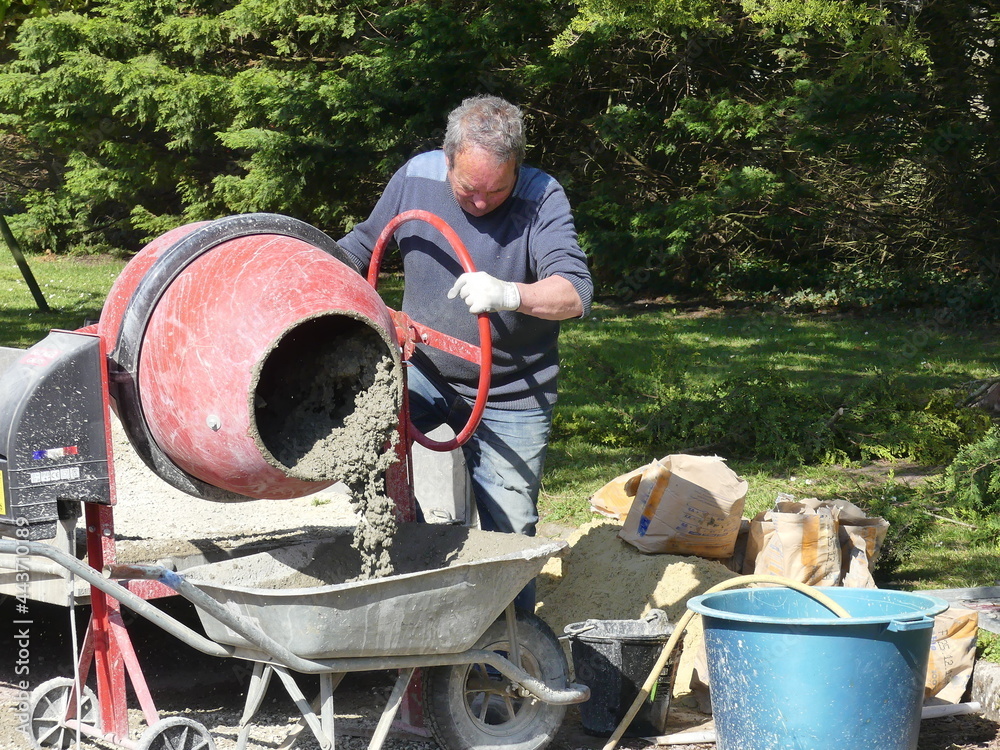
(48,707)
(474,707)
(176,733)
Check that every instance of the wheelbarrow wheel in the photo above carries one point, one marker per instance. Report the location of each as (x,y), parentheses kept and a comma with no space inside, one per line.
(49,706)
(176,733)
(474,707)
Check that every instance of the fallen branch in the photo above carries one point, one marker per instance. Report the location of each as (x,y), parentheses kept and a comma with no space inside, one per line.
(950,520)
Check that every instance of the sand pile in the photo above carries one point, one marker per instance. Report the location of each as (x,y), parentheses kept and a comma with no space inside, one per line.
(602,577)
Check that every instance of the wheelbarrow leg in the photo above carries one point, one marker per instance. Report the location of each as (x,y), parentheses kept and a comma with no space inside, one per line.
(514,655)
(325,740)
(389,712)
(259,681)
(326,688)
(328,683)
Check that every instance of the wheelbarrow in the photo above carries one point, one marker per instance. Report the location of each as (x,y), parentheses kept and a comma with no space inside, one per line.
(492,675)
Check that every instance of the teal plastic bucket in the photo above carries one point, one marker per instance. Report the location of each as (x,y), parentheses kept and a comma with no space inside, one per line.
(788,674)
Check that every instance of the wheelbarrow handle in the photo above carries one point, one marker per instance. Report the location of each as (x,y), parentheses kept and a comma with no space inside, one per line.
(104,581)
(133,572)
(118,592)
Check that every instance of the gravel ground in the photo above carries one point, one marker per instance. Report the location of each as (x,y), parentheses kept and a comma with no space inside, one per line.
(154,521)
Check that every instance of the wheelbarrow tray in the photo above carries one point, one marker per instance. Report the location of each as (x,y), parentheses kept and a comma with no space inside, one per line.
(450,584)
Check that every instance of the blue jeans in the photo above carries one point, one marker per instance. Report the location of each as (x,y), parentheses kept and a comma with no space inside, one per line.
(505,455)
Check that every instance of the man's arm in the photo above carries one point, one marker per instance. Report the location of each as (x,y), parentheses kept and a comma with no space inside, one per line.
(564,288)
(553,298)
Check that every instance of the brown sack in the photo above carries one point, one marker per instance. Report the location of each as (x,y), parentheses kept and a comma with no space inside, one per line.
(860,544)
(685,505)
(612,500)
(953,654)
(797,541)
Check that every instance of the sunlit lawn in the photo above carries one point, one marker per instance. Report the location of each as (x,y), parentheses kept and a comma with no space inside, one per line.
(74,289)
(828,354)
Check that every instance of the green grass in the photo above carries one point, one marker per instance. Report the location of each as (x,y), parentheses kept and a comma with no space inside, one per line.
(614,365)
(739,383)
(949,559)
(74,288)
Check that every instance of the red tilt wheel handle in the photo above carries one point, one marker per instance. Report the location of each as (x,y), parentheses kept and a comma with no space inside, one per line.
(483,356)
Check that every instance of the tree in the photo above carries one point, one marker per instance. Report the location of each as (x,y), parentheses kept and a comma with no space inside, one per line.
(705,145)
(151,114)
(735,136)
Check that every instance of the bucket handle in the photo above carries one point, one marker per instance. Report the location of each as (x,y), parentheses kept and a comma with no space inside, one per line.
(904,626)
(574,629)
(571,631)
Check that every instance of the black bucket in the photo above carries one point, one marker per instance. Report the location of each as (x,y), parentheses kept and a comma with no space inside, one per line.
(614,658)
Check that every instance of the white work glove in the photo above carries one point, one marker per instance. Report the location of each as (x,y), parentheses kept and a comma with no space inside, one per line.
(483,293)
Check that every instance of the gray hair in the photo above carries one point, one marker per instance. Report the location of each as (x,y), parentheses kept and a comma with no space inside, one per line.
(489,122)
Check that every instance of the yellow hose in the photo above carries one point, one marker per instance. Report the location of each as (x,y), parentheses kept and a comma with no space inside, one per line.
(668,648)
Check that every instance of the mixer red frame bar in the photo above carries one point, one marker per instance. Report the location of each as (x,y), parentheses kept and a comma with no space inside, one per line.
(107,646)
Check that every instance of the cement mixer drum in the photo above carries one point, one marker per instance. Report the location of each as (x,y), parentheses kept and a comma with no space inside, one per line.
(249,360)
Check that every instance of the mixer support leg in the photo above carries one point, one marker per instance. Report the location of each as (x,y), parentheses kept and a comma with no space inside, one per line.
(107,645)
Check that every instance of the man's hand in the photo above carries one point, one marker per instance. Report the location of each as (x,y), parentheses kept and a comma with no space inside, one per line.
(483,293)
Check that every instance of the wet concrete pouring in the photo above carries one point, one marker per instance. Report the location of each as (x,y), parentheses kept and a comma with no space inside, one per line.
(341,427)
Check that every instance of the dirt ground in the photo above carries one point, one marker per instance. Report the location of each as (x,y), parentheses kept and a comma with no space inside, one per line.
(154,521)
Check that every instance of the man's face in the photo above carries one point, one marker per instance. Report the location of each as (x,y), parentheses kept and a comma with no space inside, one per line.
(480,184)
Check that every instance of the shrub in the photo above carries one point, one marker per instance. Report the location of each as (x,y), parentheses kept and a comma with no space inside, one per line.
(886,419)
(903,507)
(972,485)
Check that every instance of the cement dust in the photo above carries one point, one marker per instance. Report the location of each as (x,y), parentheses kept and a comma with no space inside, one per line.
(341,427)
(602,577)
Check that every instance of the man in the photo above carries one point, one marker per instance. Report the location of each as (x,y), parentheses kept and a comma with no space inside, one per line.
(516,223)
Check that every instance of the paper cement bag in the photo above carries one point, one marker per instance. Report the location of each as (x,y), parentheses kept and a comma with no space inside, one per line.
(685,505)
(819,542)
(799,541)
(612,500)
(953,654)
(860,544)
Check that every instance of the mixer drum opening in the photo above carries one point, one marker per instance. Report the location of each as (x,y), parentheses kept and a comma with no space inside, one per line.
(326,398)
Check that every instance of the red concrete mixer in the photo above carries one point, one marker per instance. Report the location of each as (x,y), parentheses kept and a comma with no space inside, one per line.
(237,346)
